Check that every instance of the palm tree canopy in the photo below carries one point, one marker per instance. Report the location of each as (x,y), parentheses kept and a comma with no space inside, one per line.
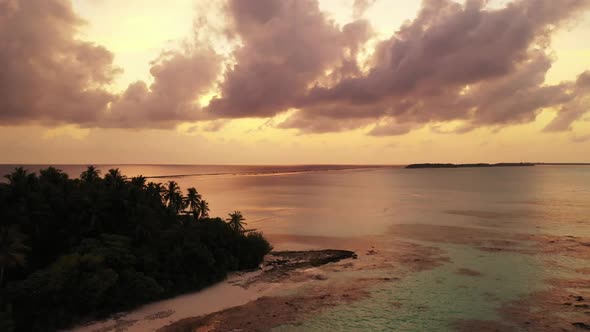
(173,196)
(115,174)
(90,174)
(192,200)
(52,175)
(171,190)
(138,181)
(156,190)
(236,221)
(114,177)
(203,209)
(20,177)
(17,175)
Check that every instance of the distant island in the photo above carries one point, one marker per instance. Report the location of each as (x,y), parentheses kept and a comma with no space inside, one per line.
(562,164)
(470,165)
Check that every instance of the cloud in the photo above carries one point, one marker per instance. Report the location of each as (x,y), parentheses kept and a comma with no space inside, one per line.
(461,129)
(322,124)
(46,74)
(580,139)
(215,125)
(7,7)
(359,7)
(49,76)
(457,62)
(390,127)
(481,65)
(209,126)
(393,145)
(287,45)
(576,108)
(180,77)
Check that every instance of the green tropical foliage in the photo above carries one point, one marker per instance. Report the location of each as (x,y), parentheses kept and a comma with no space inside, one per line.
(71,249)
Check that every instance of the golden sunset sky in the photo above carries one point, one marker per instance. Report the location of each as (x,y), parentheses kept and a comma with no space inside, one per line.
(294,81)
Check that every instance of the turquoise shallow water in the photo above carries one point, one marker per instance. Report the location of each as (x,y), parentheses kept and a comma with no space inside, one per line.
(435,299)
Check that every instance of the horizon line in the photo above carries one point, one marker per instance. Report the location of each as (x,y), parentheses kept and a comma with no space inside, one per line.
(278,164)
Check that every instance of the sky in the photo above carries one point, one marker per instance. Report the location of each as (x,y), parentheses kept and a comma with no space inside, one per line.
(294,81)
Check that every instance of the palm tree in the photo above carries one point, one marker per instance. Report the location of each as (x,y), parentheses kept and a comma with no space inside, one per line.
(192,201)
(114,177)
(235,222)
(20,180)
(91,174)
(173,196)
(203,209)
(156,190)
(12,249)
(52,175)
(19,175)
(138,181)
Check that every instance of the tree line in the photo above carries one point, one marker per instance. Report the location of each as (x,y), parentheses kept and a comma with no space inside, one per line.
(77,249)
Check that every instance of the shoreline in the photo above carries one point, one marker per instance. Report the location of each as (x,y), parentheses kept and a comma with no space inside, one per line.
(243,292)
(240,288)
(454,259)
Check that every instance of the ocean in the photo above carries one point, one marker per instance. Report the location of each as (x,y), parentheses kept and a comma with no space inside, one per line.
(448,209)
(332,200)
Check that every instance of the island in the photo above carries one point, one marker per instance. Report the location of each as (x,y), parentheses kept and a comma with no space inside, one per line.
(73,250)
(412,166)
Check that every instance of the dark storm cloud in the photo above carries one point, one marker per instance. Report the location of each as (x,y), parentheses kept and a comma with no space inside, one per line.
(46,75)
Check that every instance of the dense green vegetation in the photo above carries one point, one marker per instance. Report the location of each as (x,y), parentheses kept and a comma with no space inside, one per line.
(72,249)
